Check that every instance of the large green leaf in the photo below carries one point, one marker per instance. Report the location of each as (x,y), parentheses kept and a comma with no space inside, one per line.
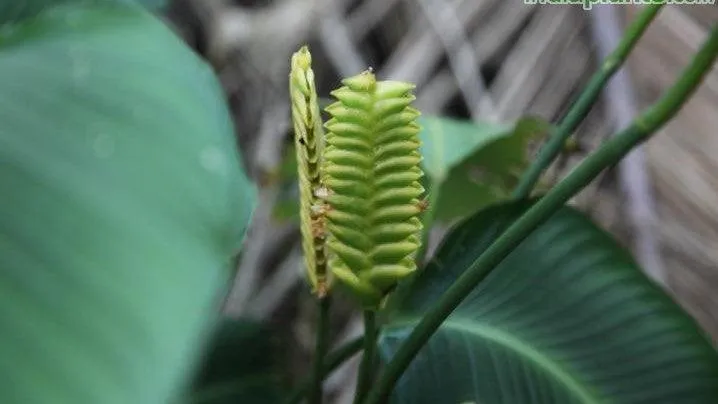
(475,164)
(447,141)
(285,178)
(240,367)
(17,10)
(566,318)
(122,203)
(151,4)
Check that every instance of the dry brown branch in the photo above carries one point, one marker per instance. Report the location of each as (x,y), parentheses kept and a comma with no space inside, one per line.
(462,60)
(530,60)
(420,51)
(635,182)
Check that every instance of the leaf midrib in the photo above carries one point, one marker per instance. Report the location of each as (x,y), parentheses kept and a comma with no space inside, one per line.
(522,348)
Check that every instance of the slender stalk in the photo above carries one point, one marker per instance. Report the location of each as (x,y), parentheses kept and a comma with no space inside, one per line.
(608,154)
(366,369)
(331,363)
(585,101)
(322,343)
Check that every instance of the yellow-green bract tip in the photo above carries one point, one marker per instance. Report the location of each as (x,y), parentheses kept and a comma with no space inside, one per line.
(302,59)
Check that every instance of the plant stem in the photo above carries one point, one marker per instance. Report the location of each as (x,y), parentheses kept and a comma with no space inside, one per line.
(608,154)
(366,369)
(585,101)
(332,361)
(316,394)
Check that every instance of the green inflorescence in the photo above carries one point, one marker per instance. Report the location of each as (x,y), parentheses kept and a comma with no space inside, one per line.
(309,142)
(371,171)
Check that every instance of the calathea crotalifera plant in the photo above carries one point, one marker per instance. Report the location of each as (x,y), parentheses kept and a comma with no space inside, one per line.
(361,191)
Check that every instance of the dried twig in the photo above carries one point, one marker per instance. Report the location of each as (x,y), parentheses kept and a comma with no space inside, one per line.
(462,59)
(561,85)
(420,51)
(530,59)
(367,15)
(343,380)
(248,274)
(341,47)
(633,176)
(488,38)
(276,288)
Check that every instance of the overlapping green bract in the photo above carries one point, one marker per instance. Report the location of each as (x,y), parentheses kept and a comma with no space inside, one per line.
(308,139)
(371,170)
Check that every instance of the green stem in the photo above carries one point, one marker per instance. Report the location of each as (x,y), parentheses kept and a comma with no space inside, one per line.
(585,101)
(332,361)
(366,368)
(316,394)
(608,154)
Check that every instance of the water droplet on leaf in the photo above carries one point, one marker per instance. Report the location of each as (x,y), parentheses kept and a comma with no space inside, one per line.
(212,160)
(103,145)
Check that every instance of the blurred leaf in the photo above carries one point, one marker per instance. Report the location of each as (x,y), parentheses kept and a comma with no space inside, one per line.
(477,164)
(150,4)
(18,10)
(123,202)
(446,142)
(287,205)
(567,317)
(239,367)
